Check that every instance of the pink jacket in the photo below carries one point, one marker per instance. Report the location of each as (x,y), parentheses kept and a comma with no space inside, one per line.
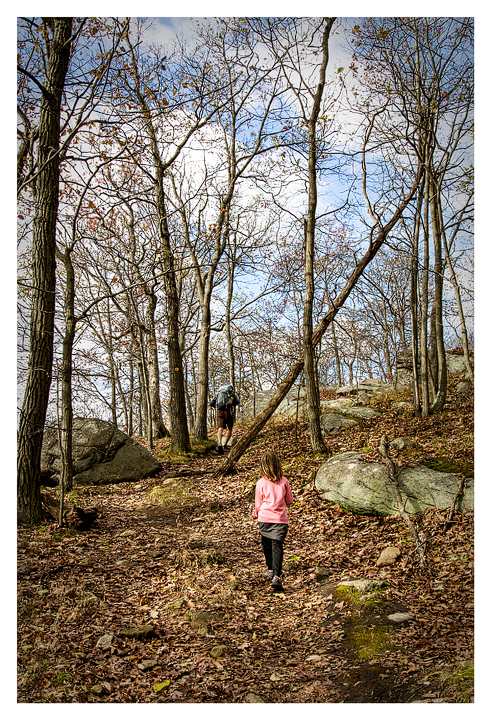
(271,499)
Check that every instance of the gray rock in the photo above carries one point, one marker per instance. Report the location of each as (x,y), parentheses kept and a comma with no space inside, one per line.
(101,454)
(401,443)
(362,585)
(105,642)
(400,617)
(463,386)
(365,413)
(368,387)
(364,487)
(338,404)
(332,423)
(287,407)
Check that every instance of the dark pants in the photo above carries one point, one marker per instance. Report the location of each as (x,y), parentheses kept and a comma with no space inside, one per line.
(273,552)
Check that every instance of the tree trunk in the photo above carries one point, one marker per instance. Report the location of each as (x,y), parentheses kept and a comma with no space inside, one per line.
(228,324)
(66,430)
(200,428)
(310,369)
(36,396)
(425,399)
(414,309)
(441,379)
(158,427)
(336,356)
(177,397)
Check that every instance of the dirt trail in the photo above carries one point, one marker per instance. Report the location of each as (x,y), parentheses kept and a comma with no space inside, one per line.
(184,557)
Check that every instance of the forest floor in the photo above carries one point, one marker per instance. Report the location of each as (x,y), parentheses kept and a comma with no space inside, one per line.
(164,600)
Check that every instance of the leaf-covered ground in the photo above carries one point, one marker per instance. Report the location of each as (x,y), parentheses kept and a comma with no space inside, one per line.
(171,574)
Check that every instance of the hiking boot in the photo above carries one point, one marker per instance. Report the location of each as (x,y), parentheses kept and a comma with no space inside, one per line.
(220,449)
(276,583)
(268,574)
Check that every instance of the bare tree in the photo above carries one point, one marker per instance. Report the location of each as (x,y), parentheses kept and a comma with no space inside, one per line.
(57,37)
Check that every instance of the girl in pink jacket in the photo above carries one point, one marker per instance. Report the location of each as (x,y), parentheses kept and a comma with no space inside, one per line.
(273,494)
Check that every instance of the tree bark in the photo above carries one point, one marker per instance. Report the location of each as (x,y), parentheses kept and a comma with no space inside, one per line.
(425,398)
(441,376)
(66,476)
(36,396)
(310,369)
(158,427)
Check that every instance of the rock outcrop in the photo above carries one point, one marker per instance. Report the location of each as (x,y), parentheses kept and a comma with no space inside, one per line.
(365,488)
(102,454)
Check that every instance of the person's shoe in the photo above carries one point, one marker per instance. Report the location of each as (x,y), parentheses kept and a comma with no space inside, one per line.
(276,583)
(220,449)
(268,574)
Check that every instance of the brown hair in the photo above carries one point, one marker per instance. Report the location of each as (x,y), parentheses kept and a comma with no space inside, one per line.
(270,466)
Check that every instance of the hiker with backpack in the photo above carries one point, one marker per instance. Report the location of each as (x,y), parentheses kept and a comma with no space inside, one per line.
(225,403)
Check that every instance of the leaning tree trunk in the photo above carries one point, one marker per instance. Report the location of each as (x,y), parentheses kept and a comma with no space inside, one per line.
(260,421)
(36,396)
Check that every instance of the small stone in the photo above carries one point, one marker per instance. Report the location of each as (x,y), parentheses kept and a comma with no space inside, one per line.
(253,698)
(147,664)
(400,617)
(362,586)
(389,556)
(97,689)
(137,632)
(314,658)
(401,442)
(105,642)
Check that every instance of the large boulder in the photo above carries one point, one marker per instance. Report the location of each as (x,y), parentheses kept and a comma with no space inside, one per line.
(332,423)
(365,488)
(365,388)
(287,407)
(101,454)
(364,413)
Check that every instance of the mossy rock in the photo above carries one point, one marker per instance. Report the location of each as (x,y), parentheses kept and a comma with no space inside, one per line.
(370,642)
(448,466)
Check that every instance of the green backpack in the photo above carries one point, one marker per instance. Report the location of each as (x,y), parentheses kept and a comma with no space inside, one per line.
(225,392)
